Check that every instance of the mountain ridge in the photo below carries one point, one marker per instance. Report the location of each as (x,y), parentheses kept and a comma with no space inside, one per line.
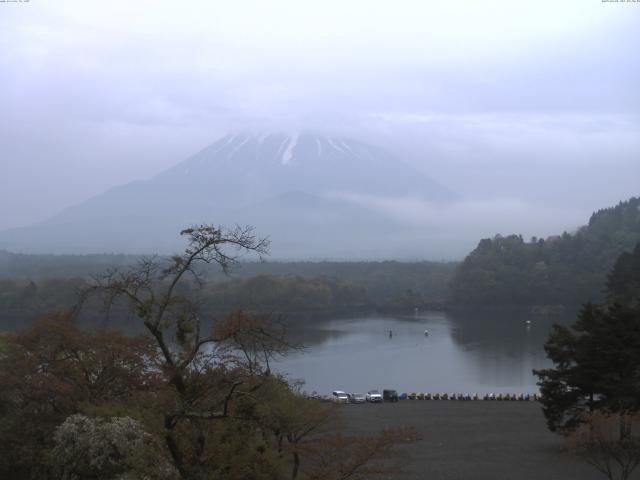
(229,181)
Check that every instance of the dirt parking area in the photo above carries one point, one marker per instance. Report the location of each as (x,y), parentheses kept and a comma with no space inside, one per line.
(473,440)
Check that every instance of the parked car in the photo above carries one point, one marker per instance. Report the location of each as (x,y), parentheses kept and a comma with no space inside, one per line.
(339,396)
(389,395)
(373,396)
(356,397)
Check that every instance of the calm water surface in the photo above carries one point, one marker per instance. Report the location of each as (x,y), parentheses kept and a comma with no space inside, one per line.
(463,353)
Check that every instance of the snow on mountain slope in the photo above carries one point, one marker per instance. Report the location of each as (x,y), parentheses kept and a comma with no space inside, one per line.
(261,166)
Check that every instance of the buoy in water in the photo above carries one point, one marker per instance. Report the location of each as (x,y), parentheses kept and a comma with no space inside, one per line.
(426,333)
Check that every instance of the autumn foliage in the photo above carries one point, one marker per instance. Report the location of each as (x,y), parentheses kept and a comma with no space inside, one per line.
(52,370)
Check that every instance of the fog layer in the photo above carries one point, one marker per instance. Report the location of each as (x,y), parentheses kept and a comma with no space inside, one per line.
(529,111)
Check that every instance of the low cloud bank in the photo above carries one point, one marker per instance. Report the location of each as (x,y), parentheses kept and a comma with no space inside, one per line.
(477,219)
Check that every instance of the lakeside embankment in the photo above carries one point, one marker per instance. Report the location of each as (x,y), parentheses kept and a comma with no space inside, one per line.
(473,440)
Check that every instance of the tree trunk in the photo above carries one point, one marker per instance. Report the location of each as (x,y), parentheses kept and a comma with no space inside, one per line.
(296,465)
(174,450)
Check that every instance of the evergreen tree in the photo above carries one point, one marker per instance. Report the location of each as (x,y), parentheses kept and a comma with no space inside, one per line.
(565,269)
(623,284)
(597,359)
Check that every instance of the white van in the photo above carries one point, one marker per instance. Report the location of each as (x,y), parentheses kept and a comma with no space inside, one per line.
(339,396)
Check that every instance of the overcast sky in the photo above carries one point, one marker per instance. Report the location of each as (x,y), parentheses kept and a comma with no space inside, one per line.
(528,102)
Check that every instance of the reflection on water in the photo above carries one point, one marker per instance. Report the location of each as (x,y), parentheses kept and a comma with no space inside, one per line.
(463,353)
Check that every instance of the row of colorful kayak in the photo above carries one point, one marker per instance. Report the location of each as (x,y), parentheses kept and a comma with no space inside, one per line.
(508,397)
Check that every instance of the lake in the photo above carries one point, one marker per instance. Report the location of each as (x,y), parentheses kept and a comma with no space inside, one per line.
(471,352)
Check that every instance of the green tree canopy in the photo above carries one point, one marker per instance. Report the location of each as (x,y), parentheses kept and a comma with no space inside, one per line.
(597,359)
(623,284)
(566,269)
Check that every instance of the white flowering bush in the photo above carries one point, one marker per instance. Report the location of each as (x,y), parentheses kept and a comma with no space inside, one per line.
(116,449)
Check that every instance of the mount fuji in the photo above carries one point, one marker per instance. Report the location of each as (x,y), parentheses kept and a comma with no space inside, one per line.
(315,196)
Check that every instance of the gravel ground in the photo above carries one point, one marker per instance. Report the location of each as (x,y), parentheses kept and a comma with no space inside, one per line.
(473,440)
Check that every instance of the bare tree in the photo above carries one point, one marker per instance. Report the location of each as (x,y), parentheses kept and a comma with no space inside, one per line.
(350,457)
(223,414)
(206,371)
(609,443)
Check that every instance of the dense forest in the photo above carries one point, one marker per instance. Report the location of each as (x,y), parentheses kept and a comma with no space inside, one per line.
(568,269)
(623,283)
(31,285)
(565,269)
(594,380)
(26,266)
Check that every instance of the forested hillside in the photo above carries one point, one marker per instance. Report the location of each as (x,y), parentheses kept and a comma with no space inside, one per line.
(32,285)
(568,269)
(25,266)
(623,283)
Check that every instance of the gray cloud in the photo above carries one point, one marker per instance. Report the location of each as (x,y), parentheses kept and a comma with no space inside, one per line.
(496,100)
